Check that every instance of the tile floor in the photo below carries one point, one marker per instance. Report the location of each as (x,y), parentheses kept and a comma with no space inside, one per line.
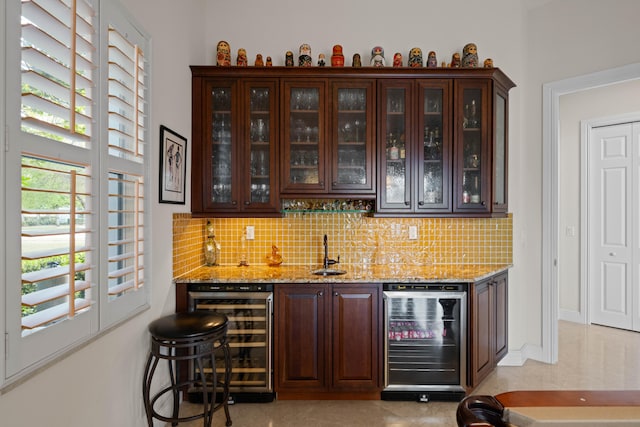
(590,357)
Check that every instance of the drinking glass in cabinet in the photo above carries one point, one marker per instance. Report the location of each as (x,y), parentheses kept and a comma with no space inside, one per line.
(259,130)
(222,99)
(259,99)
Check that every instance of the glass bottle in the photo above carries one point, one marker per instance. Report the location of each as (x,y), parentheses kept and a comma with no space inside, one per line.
(211,246)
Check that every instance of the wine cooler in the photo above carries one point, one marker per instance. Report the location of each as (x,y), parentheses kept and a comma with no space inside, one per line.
(425,341)
(249,308)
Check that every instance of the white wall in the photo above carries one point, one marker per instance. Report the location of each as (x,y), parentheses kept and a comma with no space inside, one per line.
(591,104)
(554,40)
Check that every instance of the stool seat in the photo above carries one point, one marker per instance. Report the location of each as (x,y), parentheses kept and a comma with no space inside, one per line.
(187,325)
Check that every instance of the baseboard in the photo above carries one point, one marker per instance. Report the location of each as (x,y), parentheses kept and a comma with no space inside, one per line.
(571,316)
(519,357)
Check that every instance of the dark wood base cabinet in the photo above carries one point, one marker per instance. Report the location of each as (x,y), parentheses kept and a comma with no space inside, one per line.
(487,326)
(328,341)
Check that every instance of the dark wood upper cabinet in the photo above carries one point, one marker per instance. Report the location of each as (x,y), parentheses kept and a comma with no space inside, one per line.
(422,141)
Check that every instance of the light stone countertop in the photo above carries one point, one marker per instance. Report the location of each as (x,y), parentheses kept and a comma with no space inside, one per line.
(445,273)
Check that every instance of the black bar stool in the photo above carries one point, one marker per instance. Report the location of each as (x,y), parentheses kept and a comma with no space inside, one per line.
(193,337)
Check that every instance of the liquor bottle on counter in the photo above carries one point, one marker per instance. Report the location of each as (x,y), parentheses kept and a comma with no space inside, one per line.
(211,247)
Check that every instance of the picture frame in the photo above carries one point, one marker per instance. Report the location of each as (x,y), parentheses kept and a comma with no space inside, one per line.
(173,168)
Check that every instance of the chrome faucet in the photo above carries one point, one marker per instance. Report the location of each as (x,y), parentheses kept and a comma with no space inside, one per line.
(327,262)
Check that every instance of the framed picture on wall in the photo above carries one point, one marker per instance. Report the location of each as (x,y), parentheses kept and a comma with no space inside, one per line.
(173,170)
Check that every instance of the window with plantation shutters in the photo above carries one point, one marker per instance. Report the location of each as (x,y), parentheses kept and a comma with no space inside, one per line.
(75,173)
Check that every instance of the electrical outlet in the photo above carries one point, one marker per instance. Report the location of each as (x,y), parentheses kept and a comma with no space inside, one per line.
(413,232)
(251,232)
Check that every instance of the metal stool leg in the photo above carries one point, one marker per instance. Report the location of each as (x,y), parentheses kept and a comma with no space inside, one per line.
(146,387)
(227,380)
(174,391)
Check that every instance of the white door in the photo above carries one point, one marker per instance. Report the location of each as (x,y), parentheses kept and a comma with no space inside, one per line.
(614,206)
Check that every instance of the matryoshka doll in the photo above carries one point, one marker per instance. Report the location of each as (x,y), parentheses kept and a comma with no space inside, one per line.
(415,57)
(337,58)
(288,59)
(488,63)
(259,62)
(242,60)
(455,60)
(304,60)
(269,62)
(432,61)
(223,54)
(470,55)
(377,57)
(397,60)
(356,62)
(321,62)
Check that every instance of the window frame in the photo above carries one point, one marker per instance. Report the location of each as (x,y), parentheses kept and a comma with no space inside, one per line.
(25,355)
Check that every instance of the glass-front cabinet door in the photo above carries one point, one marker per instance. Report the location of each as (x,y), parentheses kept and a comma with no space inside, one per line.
(220,184)
(260,136)
(352,137)
(394,148)
(472,191)
(434,154)
(304,160)
(500,152)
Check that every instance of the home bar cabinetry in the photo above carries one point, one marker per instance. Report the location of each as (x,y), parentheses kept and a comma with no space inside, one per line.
(422,141)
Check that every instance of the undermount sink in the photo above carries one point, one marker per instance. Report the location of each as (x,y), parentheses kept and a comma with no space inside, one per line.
(328,272)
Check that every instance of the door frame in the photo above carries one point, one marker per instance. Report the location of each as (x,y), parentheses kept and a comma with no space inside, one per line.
(551,93)
(586,129)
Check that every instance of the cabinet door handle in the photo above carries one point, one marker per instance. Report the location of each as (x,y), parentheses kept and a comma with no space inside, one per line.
(322,183)
(336,294)
(421,203)
(406,203)
(334,183)
(483,203)
(320,293)
(234,202)
(247,203)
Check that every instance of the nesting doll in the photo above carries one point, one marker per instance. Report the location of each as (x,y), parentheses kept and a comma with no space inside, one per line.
(288,59)
(241,60)
(488,63)
(269,63)
(356,61)
(259,62)
(321,62)
(337,58)
(470,56)
(415,57)
(432,62)
(304,60)
(377,57)
(455,60)
(397,59)
(223,54)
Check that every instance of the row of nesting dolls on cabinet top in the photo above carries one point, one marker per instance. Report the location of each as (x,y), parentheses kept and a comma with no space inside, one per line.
(469,58)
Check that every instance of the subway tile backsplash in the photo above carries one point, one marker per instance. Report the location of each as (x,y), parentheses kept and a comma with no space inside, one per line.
(355,237)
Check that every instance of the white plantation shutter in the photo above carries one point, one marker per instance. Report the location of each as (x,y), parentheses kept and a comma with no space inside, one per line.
(58,69)
(75,173)
(126,213)
(56,242)
(126,97)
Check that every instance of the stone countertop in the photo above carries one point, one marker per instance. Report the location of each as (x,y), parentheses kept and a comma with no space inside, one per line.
(446,273)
